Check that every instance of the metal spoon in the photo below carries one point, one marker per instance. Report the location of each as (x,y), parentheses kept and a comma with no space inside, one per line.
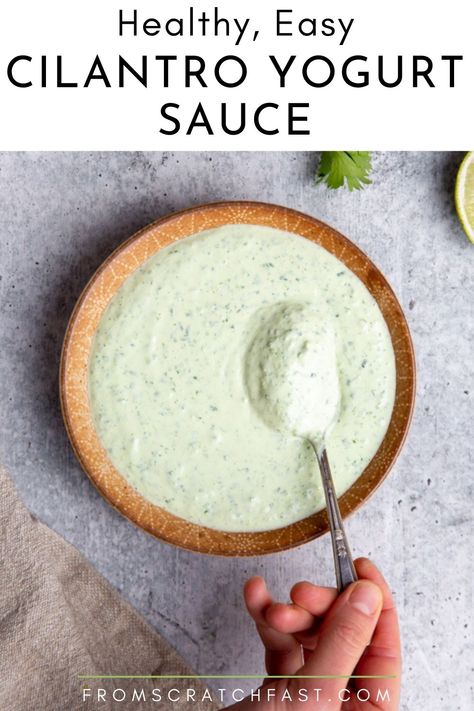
(293,384)
(343,563)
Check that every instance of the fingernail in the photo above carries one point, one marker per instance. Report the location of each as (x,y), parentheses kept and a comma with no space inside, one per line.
(365,597)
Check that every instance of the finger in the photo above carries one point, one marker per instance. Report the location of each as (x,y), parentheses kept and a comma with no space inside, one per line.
(257,598)
(300,617)
(289,618)
(386,638)
(292,619)
(313,598)
(283,652)
(309,638)
(344,635)
(383,656)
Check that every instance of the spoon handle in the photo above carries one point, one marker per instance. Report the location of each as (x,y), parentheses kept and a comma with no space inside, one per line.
(343,563)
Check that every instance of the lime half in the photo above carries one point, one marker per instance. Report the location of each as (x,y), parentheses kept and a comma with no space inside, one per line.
(464,195)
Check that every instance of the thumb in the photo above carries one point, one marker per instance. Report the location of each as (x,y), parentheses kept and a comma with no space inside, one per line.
(344,634)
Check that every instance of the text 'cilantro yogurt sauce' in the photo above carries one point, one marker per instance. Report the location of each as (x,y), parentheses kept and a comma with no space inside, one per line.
(171,391)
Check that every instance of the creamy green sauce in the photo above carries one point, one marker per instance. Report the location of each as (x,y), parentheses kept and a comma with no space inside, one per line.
(291,370)
(196,416)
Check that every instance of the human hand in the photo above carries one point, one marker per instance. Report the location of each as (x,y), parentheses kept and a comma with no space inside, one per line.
(320,633)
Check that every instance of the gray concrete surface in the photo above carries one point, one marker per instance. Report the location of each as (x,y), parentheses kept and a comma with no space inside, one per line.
(62,213)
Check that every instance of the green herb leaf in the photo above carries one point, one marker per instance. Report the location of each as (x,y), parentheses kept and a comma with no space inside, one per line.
(339,168)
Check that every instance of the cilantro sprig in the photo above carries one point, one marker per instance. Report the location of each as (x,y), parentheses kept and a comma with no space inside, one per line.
(339,168)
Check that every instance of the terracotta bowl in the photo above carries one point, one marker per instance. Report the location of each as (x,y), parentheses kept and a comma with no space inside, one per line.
(74,377)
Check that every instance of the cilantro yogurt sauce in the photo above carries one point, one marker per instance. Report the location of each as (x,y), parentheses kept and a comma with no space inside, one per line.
(291,370)
(188,408)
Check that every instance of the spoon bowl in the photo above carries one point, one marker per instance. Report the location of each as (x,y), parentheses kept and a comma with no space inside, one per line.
(291,370)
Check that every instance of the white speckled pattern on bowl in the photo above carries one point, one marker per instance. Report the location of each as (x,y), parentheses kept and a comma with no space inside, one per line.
(75,361)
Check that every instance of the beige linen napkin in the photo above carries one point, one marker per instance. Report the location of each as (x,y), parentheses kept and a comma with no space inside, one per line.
(59,619)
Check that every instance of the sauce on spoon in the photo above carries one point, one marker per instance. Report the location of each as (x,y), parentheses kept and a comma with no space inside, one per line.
(291,371)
